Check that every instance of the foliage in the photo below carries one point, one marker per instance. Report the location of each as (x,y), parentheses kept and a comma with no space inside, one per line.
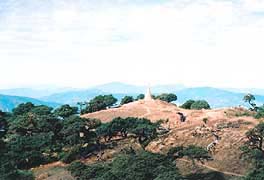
(253,151)
(255,137)
(34,135)
(8,171)
(214,175)
(65,111)
(100,102)
(192,152)
(260,113)
(71,155)
(8,168)
(127,99)
(249,98)
(23,108)
(187,104)
(34,149)
(142,128)
(167,97)
(196,153)
(143,165)
(200,104)
(256,174)
(140,96)
(78,131)
(3,124)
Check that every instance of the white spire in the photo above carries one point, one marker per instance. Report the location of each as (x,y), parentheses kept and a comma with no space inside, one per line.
(148,95)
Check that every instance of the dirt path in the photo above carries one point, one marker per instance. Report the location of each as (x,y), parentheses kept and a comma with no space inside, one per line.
(214,169)
(148,112)
(50,165)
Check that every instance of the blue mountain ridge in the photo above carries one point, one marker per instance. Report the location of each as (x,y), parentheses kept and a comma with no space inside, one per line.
(216,97)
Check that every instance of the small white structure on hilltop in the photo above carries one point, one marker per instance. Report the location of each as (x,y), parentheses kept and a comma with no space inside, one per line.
(148,96)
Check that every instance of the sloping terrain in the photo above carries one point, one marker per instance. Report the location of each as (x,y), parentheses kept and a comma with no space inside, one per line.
(7,103)
(199,128)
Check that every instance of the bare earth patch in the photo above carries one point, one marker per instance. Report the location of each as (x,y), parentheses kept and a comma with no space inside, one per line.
(231,124)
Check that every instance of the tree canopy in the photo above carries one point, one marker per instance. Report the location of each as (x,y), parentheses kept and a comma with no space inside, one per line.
(250,98)
(65,111)
(100,102)
(187,104)
(254,151)
(140,96)
(168,97)
(142,165)
(142,128)
(200,104)
(127,99)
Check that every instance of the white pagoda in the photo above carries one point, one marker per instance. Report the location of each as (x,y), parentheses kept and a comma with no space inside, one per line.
(148,96)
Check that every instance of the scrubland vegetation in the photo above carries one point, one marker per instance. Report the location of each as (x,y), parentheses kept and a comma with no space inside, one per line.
(35,135)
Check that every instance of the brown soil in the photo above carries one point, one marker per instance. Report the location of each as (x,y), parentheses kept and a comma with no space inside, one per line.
(229,123)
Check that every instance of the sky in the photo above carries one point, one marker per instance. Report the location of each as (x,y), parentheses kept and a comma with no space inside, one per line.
(82,43)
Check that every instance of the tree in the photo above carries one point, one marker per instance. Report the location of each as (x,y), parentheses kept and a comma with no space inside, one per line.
(3,124)
(30,151)
(77,130)
(260,113)
(65,111)
(187,104)
(105,131)
(35,121)
(167,97)
(196,153)
(81,104)
(33,135)
(141,165)
(100,102)
(140,96)
(41,110)
(200,104)
(127,99)
(249,98)
(192,152)
(23,108)
(256,174)
(144,129)
(255,137)
(9,171)
(254,151)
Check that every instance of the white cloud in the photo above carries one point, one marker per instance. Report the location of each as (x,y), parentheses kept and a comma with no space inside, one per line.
(192,42)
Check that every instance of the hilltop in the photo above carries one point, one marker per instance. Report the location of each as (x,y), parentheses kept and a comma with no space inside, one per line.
(230,124)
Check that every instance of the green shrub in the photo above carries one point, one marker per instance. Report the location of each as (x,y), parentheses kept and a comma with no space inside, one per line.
(143,165)
(126,100)
(187,104)
(167,97)
(200,104)
(77,168)
(260,113)
(73,154)
(25,175)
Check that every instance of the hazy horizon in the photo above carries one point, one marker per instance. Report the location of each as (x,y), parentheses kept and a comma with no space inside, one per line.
(183,86)
(80,44)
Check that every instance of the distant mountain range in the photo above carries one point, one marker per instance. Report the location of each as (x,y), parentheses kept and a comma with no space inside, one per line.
(217,98)
(7,103)
(53,97)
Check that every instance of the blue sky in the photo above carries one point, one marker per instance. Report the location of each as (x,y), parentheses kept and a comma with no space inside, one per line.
(81,43)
